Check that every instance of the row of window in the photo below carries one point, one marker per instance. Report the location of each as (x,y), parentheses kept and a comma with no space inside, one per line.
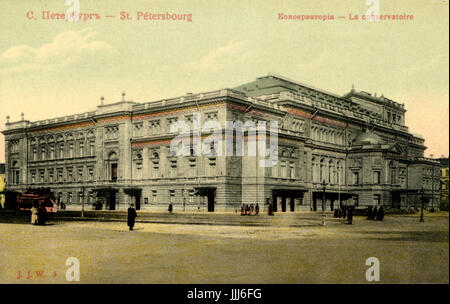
(59,151)
(329,136)
(155,126)
(190,169)
(69,174)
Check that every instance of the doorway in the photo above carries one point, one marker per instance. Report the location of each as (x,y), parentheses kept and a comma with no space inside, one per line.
(292,204)
(138,202)
(111,200)
(283,204)
(210,200)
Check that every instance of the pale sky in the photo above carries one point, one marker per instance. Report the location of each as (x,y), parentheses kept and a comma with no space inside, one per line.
(51,68)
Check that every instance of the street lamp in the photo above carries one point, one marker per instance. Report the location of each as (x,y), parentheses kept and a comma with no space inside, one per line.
(421,211)
(323,202)
(82,201)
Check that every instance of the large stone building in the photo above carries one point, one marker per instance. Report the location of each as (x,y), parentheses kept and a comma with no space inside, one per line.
(353,149)
(444,183)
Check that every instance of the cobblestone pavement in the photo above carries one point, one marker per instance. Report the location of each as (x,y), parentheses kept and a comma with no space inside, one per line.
(302,252)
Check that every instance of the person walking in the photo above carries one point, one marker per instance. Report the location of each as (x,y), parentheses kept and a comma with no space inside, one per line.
(41,215)
(380,215)
(350,215)
(257,209)
(369,213)
(375,213)
(170,207)
(34,214)
(131,217)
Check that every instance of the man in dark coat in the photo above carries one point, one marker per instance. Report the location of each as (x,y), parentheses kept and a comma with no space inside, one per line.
(170,208)
(42,215)
(369,213)
(375,213)
(131,217)
(257,209)
(380,214)
(350,215)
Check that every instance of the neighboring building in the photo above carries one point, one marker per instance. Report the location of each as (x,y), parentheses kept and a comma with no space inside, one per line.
(444,183)
(354,148)
(2,185)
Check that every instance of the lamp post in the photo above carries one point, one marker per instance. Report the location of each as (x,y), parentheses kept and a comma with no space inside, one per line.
(421,210)
(82,201)
(324,206)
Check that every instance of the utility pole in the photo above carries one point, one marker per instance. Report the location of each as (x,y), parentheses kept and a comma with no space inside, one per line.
(421,211)
(324,206)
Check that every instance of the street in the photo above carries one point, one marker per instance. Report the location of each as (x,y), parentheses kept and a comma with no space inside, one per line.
(408,251)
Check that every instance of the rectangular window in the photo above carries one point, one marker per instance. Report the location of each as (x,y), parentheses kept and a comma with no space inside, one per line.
(50,175)
(356,178)
(172,195)
(91,173)
(41,176)
(33,177)
(154,196)
(291,170)
(191,196)
(61,151)
(192,168)
(80,174)
(173,168)
(43,153)
(377,177)
(145,200)
(81,152)
(34,154)
(91,148)
(60,175)
(69,174)
(69,197)
(113,172)
(212,167)
(71,150)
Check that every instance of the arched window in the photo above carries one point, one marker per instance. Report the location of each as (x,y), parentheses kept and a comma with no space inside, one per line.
(322,170)
(112,160)
(15,173)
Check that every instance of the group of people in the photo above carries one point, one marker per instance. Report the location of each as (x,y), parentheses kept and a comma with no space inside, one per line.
(345,212)
(38,214)
(375,214)
(250,209)
(98,205)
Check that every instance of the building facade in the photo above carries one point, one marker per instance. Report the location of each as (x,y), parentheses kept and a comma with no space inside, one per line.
(331,150)
(444,183)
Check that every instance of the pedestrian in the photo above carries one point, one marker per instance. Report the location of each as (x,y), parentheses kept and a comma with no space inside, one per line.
(242,210)
(369,213)
(42,215)
(257,209)
(344,212)
(34,214)
(131,216)
(380,214)
(170,207)
(350,215)
(248,210)
(270,210)
(375,213)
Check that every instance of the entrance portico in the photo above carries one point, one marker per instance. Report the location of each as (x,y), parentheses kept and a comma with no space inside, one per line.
(284,199)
